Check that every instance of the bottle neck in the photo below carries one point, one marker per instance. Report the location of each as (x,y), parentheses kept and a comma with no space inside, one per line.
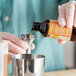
(41,27)
(36,26)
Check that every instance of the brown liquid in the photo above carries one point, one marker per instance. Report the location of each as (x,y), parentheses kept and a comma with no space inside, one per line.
(31,33)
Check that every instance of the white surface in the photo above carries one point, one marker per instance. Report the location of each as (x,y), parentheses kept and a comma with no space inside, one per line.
(69,49)
(3,51)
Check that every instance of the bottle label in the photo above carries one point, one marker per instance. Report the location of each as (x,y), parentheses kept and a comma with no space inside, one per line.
(59,32)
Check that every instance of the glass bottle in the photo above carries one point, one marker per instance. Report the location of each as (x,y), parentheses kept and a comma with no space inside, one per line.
(52,29)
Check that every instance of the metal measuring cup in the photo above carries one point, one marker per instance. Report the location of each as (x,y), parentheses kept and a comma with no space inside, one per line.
(28,64)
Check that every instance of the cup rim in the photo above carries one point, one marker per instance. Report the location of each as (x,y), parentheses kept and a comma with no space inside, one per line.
(21,56)
(33,36)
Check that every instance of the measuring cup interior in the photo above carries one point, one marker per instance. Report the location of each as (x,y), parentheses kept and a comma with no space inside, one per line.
(28,56)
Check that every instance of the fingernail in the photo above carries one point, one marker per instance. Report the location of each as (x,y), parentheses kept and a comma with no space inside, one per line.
(63,42)
(63,22)
(69,24)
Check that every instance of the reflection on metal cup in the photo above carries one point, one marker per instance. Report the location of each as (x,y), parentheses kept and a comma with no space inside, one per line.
(28,65)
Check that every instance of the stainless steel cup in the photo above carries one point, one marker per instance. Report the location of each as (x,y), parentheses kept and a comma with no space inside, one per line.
(28,65)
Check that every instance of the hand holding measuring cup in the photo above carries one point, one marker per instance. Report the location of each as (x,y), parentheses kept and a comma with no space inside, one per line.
(15,44)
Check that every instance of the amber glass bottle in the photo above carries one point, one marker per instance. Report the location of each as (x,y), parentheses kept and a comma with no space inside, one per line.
(50,28)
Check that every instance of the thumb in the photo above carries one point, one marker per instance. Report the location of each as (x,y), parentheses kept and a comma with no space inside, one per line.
(61,41)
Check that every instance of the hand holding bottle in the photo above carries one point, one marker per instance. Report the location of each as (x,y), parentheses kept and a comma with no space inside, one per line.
(67,16)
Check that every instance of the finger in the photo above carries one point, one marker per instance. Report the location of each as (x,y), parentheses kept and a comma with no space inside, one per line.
(32,46)
(14,48)
(61,18)
(70,15)
(9,57)
(61,41)
(75,18)
(14,39)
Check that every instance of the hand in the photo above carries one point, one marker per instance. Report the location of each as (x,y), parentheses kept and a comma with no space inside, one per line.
(15,45)
(67,16)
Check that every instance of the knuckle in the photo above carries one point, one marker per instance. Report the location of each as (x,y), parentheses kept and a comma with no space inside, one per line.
(72,2)
(20,43)
(5,33)
(60,7)
(8,34)
(70,5)
(13,36)
(24,45)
